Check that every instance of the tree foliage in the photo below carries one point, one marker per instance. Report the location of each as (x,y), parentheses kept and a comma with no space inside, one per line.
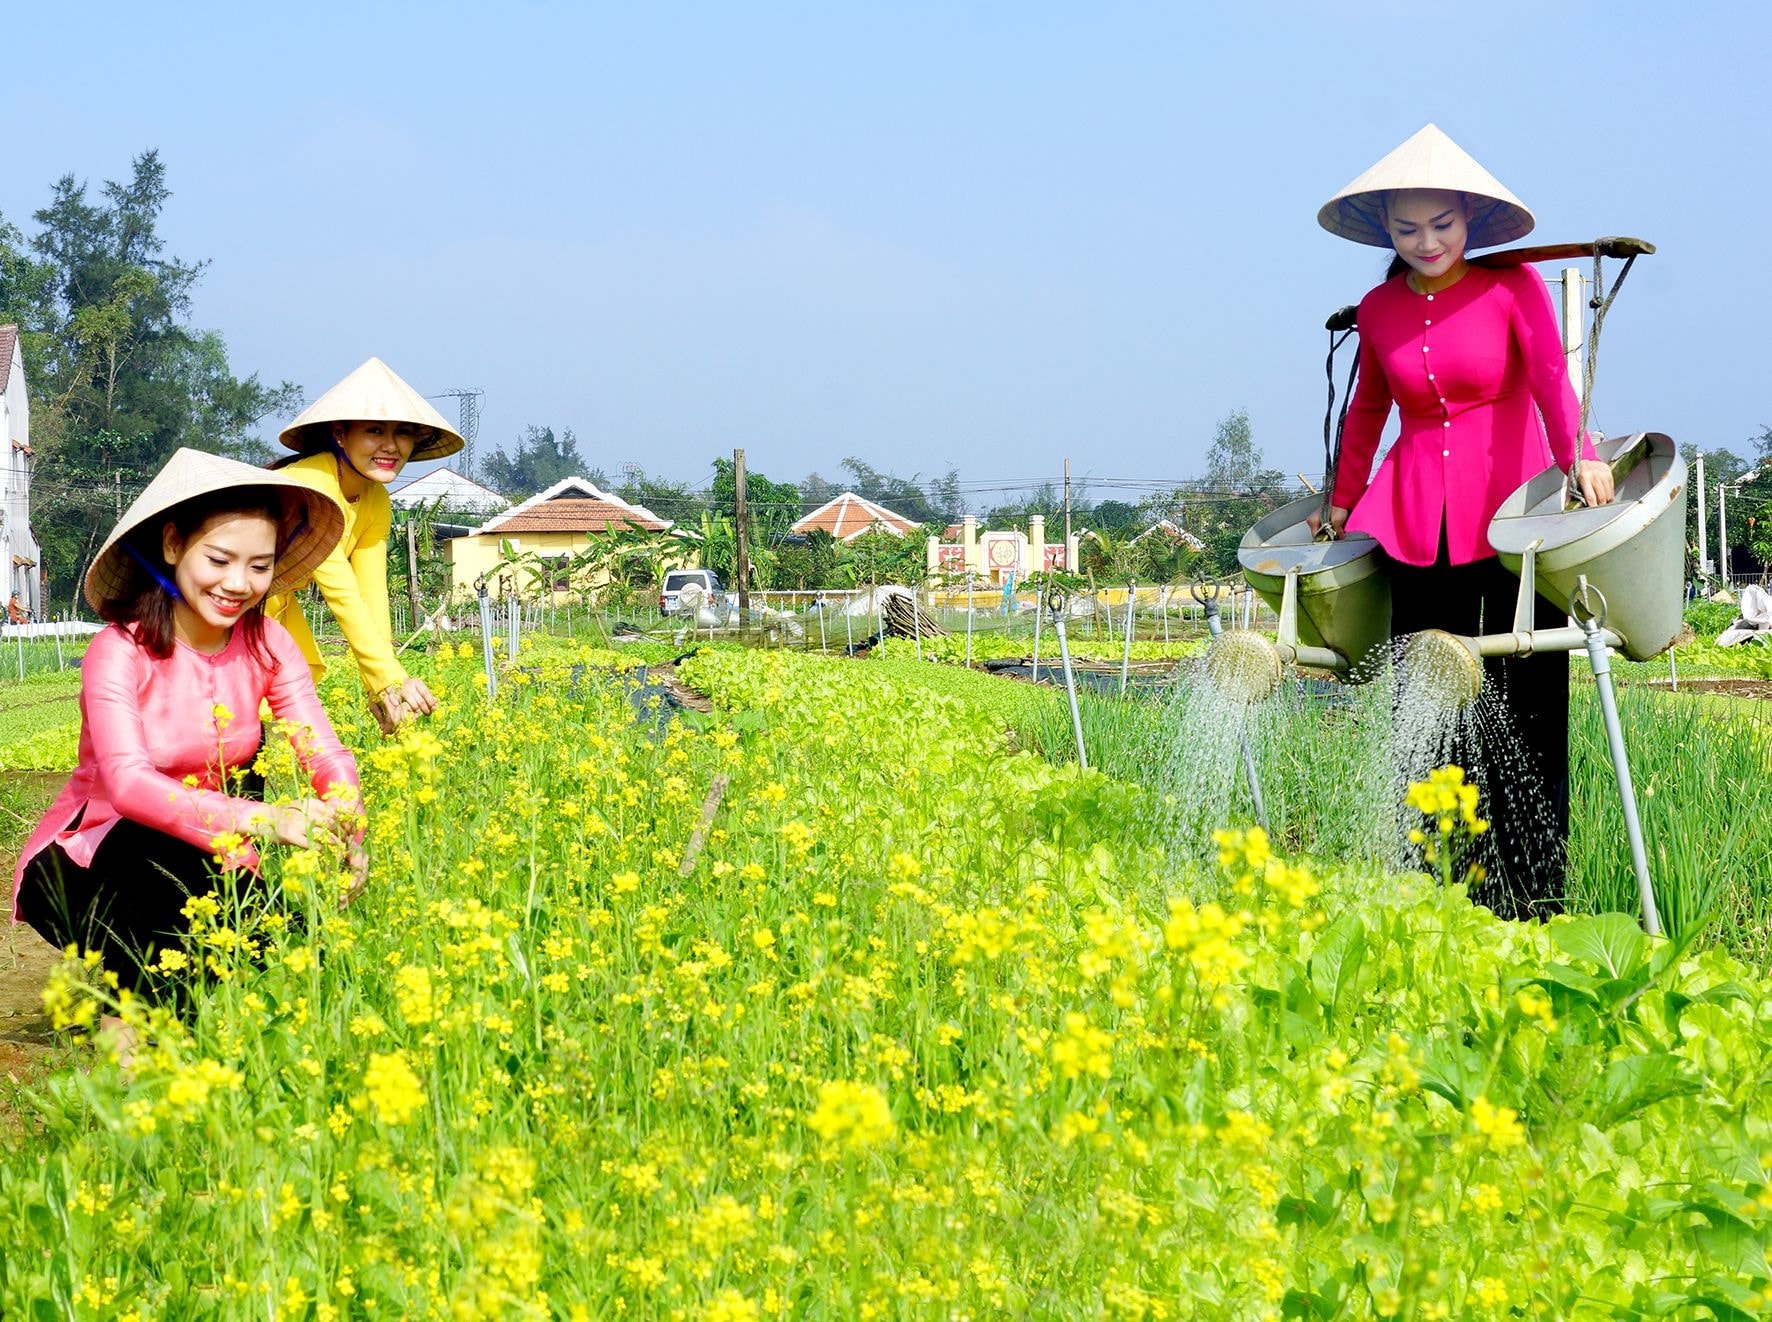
(1112,556)
(677,501)
(938,501)
(1045,499)
(1234,463)
(1720,466)
(119,379)
(808,562)
(816,490)
(1750,503)
(881,557)
(773,507)
(541,459)
(1238,489)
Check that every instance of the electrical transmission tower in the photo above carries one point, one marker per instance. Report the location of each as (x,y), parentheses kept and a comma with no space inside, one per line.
(470,423)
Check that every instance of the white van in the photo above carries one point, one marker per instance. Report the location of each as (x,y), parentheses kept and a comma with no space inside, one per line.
(675,580)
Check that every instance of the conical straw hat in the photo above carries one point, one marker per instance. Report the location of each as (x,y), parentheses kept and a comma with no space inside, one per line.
(310,527)
(1428,160)
(372,393)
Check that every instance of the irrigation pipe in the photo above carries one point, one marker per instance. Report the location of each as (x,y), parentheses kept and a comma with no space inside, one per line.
(429,620)
(486,644)
(1059,606)
(1037,614)
(969,619)
(709,806)
(1593,625)
(1131,614)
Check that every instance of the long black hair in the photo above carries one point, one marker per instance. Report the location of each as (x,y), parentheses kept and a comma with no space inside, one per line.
(149,595)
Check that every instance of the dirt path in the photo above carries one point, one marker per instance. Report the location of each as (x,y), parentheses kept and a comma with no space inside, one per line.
(1752,690)
(44,702)
(665,676)
(25,961)
(25,957)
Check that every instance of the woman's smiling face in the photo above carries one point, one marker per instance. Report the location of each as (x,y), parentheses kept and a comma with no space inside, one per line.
(222,570)
(1429,229)
(378,450)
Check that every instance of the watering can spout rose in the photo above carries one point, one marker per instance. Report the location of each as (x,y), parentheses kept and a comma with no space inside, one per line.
(1333,597)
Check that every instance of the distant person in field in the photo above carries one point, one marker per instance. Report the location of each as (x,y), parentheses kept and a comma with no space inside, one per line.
(164,802)
(1472,358)
(353,441)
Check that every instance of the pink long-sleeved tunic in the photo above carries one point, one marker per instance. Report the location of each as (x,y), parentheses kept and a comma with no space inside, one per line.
(1471,369)
(146,725)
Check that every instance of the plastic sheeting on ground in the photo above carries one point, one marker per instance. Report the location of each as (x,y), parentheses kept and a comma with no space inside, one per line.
(1754,624)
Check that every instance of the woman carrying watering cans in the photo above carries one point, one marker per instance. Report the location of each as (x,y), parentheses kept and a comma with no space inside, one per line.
(353,441)
(1473,360)
(169,715)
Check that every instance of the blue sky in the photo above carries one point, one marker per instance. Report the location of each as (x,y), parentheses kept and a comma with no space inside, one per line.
(982,235)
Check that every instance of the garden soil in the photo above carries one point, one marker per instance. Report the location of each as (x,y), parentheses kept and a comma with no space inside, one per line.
(25,957)
(1752,690)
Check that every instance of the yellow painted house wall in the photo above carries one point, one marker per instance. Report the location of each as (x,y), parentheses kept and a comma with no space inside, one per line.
(471,556)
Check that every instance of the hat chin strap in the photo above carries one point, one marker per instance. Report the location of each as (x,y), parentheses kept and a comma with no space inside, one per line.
(153,570)
(344,458)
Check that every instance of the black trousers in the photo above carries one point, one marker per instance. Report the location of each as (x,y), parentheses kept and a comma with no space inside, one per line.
(127,905)
(1522,763)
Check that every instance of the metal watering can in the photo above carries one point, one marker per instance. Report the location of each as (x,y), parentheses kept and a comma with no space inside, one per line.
(1332,596)
(1616,569)
(1622,564)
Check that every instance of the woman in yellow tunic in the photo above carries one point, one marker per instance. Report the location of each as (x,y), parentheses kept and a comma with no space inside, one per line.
(353,441)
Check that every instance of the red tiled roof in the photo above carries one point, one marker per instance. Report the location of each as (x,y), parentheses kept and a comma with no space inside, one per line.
(848,516)
(8,341)
(573,505)
(572,512)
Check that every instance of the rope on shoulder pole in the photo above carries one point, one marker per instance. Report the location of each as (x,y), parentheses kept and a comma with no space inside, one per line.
(1340,326)
(1601,303)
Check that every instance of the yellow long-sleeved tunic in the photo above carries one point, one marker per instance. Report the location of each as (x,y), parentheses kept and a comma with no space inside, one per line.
(353,579)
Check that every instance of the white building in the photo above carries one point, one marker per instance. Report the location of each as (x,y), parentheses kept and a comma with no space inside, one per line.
(19,552)
(458,494)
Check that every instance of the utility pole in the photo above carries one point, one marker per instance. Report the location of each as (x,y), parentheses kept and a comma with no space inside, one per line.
(1723,532)
(742,518)
(412,566)
(1703,549)
(117,487)
(469,399)
(1069,568)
